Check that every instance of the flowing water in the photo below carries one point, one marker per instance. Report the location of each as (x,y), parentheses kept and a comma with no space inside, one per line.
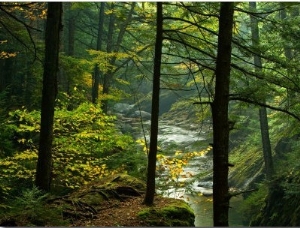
(199,193)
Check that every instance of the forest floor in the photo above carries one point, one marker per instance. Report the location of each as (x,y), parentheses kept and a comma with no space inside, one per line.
(113,201)
(122,213)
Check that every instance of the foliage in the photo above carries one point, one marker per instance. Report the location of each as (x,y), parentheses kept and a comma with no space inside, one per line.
(252,205)
(30,209)
(173,168)
(86,146)
(283,207)
(6,147)
(17,170)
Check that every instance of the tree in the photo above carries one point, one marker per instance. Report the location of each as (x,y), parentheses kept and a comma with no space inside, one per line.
(114,47)
(263,119)
(53,28)
(96,75)
(150,191)
(220,103)
(19,59)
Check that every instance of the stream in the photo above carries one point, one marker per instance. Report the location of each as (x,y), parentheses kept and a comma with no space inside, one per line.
(199,191)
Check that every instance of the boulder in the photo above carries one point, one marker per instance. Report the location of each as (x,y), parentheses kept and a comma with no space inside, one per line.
(123,108)
(143,114)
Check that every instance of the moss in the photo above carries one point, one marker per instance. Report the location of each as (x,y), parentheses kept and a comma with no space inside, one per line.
(114,181)
(92,198)
(178,213)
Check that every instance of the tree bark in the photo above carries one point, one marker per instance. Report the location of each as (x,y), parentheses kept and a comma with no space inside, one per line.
(53,27)
(96,75)
(150,191)
(220,117)
(109,49)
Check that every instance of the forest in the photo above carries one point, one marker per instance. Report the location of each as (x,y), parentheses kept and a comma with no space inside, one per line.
(149,114)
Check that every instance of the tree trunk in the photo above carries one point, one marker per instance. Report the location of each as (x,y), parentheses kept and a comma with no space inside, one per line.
(67,44)
(107,75)
(150,191)
(264,127)
(71,29)
(220,117)
(96,75)
(53,27)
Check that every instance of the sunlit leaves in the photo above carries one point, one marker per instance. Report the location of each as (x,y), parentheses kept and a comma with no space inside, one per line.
(103,59)
(86,146)
(144,147)
(77,72)
(174,166)
(17,169)
(6,55)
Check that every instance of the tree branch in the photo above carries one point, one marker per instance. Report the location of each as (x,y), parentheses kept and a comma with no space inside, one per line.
(262,104)
(232,194)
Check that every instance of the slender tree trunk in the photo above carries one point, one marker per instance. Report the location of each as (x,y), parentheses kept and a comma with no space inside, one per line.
(220,117)
(263,118)
(71,29)
(150,191)
(264,127)
(67,38)
(53,27)
(96,75)
(107,75)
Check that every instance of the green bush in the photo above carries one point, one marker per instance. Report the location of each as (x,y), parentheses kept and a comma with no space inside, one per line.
(86,146)
(253,204)
(30,209)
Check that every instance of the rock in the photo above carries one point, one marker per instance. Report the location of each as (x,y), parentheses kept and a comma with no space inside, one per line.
(143,114)
(205,184)
(125,128)
(123,108)
(177,213)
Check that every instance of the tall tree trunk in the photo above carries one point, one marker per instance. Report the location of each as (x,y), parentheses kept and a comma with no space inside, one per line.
(67,44)
(264,127)
(71,29)
(150,191)
(109,47)
(53,27)
(263,118)
(220,117)
(96,75)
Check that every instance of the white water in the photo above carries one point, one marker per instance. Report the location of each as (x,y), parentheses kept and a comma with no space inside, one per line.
(201,198)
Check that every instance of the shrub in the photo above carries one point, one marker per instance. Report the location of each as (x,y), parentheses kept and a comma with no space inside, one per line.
(30,209)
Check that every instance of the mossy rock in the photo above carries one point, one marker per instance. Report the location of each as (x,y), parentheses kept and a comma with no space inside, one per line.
(177,213)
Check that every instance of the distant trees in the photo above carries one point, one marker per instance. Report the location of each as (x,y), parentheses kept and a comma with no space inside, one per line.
(53,28)
(20,57)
